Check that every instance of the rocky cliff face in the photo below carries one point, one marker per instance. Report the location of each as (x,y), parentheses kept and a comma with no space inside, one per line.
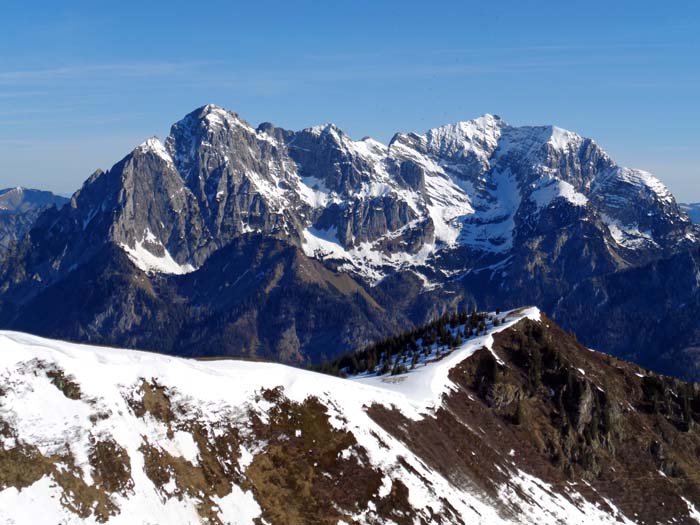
(475,211)
(517,424)
(478,186)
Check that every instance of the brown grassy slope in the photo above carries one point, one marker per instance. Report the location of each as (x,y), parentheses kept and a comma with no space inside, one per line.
(570,416)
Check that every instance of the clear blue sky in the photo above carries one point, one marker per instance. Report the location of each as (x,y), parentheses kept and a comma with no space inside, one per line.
(82,83)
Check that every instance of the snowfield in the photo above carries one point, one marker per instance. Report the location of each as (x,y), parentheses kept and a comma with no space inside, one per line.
(219,393)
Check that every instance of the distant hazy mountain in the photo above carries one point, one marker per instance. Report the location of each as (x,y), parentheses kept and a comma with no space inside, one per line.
(19,208)
(299,245)
(519,423)
(693,211)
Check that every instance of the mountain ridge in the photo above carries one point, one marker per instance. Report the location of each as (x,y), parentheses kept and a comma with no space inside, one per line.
(19,208)
(106,435)
(213,120)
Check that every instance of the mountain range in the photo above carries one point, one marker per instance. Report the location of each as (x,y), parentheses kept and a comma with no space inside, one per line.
(19,208)
(517,423)
(297,246)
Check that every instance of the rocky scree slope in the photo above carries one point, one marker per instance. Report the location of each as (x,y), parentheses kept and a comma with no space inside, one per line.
(518,424)
(474,211)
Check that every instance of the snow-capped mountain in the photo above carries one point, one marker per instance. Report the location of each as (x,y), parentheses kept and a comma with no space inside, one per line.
(19,208)
(241,240)
(372,208)
(518,424)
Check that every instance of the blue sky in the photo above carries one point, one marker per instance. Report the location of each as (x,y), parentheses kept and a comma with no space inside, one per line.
(82,83)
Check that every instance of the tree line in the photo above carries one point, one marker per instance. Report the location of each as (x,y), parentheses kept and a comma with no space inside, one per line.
(401,352)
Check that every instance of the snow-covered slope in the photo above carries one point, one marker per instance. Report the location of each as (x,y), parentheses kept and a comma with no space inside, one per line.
(424,385)
(475,186)
(93,434)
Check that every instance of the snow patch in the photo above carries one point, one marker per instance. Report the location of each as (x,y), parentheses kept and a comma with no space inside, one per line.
(553,189)
(155,146)
(627,235)
(148,262)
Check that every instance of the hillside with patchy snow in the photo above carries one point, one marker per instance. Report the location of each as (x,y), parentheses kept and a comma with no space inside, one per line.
(101,435)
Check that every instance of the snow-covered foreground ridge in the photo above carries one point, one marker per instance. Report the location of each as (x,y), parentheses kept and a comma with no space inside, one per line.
(93,434)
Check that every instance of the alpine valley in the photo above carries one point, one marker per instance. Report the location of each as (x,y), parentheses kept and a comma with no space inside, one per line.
(298,246)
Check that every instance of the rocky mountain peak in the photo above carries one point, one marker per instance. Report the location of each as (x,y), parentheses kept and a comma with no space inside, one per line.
(563,139)
(212,117)
(329,135)
(216,117)
(474,184)
(327,128)
(485,125)
(16,191)
(209,128)
(471,141)
(154,146)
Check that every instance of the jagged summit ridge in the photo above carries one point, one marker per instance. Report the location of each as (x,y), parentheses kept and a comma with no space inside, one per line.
(477,186)
(155,146)
(478,136)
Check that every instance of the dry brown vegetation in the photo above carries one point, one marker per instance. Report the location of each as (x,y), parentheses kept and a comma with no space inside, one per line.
(23,465)
(539,402)
(300,476)
(568,416)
